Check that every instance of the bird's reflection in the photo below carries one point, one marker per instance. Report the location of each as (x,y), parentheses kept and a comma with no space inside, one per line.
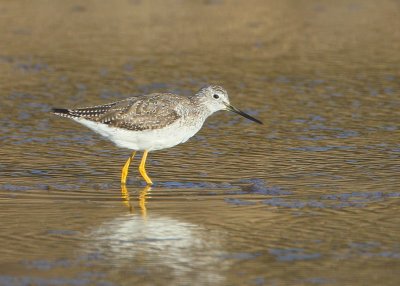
(158,243)
(143,195)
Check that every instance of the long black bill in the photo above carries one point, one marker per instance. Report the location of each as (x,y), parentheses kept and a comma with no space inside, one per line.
(233,109)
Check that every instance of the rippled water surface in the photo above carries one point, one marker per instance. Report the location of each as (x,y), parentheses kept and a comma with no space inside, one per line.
(309,198)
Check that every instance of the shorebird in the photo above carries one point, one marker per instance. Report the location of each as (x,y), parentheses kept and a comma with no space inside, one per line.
(152,122)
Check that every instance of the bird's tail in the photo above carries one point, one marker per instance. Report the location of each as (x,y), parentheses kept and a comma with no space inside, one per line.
(63,112)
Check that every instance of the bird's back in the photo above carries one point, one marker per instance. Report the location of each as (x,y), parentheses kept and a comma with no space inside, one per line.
(148,112)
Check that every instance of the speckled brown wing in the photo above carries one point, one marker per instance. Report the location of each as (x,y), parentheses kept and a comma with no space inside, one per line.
(147,112)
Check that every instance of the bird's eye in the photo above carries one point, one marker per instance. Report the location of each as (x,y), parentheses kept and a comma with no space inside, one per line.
(216,96)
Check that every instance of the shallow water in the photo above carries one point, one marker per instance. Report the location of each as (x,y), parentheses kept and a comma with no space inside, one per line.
(309,198)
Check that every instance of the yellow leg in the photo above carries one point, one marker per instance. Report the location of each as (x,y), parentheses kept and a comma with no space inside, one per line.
(125,169)
(142,170)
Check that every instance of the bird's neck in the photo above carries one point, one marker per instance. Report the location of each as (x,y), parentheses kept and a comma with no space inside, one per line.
(200,109)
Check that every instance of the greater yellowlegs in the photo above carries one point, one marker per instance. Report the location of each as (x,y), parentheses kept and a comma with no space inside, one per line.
(152,122)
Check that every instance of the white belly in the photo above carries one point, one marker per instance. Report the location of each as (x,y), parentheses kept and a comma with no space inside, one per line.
(149,140)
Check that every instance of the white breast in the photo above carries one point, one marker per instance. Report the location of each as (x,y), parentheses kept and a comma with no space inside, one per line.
(149,140)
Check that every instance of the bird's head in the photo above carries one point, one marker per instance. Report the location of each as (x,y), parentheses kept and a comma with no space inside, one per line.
(216,98)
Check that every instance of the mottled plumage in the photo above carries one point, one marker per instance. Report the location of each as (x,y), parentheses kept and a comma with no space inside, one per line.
(152,122)
(153,111)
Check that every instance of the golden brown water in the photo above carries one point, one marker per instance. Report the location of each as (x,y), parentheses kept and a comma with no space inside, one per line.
(309,198)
